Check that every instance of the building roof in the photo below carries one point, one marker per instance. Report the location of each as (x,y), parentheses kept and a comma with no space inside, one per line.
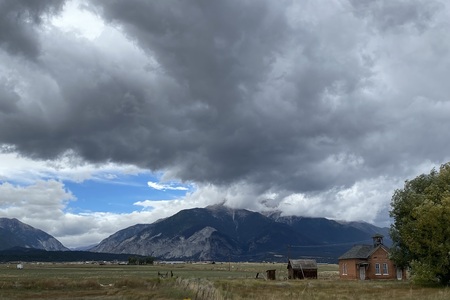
(303,263)
(361,251)
(357,251)
(377,235)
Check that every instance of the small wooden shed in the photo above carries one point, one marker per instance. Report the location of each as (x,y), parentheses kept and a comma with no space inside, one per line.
(271,274)
(302,268)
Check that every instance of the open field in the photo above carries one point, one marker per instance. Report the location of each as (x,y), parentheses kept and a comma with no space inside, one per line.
(194,281)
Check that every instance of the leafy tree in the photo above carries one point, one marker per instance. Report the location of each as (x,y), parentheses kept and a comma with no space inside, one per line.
(149,260)
(421,228)
(133,260)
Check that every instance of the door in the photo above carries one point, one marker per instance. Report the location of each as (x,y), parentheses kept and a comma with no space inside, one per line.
(399,274)
(362,272)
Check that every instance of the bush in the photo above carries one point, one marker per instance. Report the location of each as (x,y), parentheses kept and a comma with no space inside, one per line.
(422,274)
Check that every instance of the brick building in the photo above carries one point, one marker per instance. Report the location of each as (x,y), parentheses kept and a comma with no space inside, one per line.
(369,262)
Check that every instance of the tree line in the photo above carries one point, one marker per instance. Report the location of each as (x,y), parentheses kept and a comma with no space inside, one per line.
(135,260)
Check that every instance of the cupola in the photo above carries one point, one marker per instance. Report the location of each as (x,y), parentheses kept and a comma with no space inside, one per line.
(377,240)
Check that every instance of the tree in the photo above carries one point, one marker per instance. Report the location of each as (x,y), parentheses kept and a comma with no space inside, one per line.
(133,260)
(149,260)
(421,228)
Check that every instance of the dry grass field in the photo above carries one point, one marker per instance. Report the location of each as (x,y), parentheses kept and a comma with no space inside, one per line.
(193,281)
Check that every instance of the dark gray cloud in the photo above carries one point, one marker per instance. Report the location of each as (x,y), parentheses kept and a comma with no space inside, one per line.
(9,98)
(18,20)
(398,15)
(286,97)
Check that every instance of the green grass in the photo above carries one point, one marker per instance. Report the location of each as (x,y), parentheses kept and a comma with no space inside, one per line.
(194,281)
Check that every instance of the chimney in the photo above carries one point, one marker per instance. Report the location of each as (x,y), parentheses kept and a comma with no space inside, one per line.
(377,240)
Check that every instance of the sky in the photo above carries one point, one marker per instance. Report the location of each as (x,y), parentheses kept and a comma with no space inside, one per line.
(114,113)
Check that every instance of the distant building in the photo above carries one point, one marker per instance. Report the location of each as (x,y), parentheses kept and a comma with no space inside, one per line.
(369,262)
(271,274)
(302,268)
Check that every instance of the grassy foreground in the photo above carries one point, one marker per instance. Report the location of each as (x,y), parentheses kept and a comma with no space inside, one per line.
(193,281)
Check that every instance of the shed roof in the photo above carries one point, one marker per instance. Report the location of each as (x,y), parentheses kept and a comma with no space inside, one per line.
(303,263)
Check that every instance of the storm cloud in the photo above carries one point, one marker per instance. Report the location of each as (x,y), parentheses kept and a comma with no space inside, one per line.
(328,101)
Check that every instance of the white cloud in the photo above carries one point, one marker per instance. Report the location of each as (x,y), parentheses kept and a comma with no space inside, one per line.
(40,202)
(164,187)
(75,18)
(30,199)
(15,168)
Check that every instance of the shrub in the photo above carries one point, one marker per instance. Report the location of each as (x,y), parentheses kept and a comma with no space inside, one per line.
(422,274)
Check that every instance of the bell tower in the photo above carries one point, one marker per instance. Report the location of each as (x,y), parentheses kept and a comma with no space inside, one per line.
(377,240)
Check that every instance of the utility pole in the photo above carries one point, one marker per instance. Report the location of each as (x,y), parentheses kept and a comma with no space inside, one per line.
(289,252)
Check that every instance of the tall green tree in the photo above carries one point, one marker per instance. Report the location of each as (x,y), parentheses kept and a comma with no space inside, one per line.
(421,228)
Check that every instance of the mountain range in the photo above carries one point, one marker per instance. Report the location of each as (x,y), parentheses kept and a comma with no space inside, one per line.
(221,233)
(217,233)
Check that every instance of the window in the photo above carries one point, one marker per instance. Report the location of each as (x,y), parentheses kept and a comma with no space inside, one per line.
(344,269)
(385,269)
(377,269)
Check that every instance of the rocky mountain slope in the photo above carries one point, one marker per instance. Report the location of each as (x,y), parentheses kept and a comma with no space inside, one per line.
(221,233)
(14,233)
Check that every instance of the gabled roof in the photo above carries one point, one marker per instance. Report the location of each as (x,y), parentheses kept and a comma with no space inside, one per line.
(357,251)
(361,251)
(303,263)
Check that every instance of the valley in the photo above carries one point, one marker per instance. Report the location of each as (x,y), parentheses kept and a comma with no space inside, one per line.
(222,280)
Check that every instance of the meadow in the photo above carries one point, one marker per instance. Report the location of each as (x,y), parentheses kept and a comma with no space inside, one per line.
(193,281)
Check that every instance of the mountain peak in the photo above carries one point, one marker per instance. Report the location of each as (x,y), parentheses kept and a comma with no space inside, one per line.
(217,232)
(218,206)
(14,233)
